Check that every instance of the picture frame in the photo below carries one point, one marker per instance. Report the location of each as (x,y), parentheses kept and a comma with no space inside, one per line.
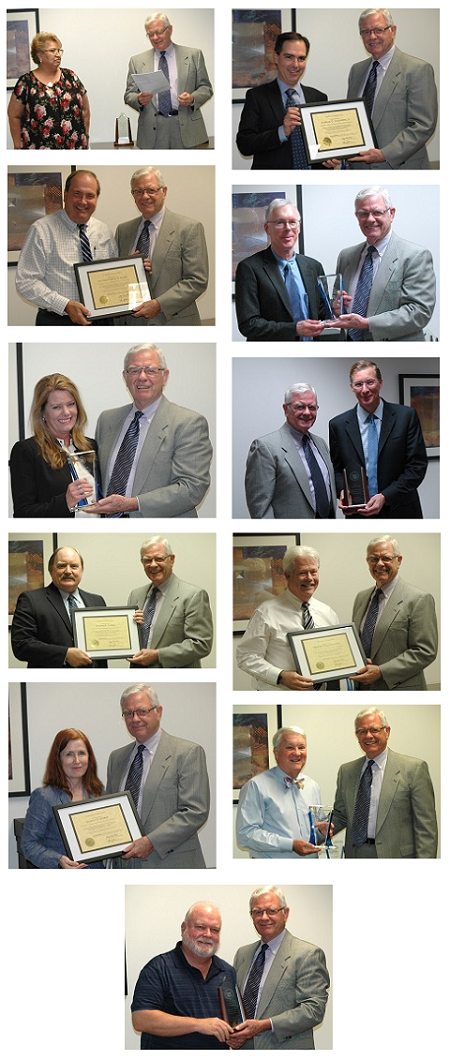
(337,128)
(22,24)
(329,653)
(257,572)
(253,730)
(25,568)
(87,827)
(423,393)
(254,32)
(19,778)
(31,194)
(106,632)
(112,287)
(248,208)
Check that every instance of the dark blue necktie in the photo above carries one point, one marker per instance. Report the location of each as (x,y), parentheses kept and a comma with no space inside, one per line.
(362,294)
(149,614)
(370,86)
(358,831)
(320,492)
(251,991)
(143,243)
(298,148)
(133,781)
(85,244)
(370,623)
(72,603)
(124,460)
(164,101)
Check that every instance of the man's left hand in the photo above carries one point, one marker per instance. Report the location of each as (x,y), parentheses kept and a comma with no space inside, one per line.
(370,157)
(244,1031)
(368,674)
(141,848)
(147,309)
(186,99)
(112,504)
(145,657)
(309,328)
(374,505)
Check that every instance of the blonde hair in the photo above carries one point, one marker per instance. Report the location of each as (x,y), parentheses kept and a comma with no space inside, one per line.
(49,448)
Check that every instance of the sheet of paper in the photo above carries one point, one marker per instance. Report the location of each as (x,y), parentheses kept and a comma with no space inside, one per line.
(155,82)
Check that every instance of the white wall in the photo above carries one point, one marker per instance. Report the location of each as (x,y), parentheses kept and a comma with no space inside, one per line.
(98,45)
(331,741)
(188,713)
(268,378)
(148,934)
(96,369)
(344,573)
(336,46)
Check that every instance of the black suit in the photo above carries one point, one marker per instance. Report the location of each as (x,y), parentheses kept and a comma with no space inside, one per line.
(41,630)
(402,460)
(39,490)
(262,114)
(262,303)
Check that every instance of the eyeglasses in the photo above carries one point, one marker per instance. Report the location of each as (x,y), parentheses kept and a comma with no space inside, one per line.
(155,559)
(363,215)
(139,192)
(371,383)
(147,368)
(377,32)
(284,224)
(373,560)
(54,51)
(256,914)
(302,408)
(129,714)
(374,729)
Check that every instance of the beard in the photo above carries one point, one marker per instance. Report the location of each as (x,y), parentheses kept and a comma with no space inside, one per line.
(205,949)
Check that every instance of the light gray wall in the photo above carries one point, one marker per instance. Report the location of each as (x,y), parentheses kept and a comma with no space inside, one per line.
(259,385)
(336,46)
(188,712)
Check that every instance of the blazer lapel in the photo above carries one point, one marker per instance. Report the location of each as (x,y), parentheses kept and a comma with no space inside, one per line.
(154,439)
(55,599)
(163,242)
(275,99)
(158,768)
(167,609)
(388,789)
(390,612)
(273,274)
(294,460)
(387,424)
(182,61)
(387,87)
(276,973)
(353,431)
(388,268)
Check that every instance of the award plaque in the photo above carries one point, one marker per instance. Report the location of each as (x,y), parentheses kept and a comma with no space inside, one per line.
(94,829)
(122,136)
(356,490)
(106,632)
(231,1004)
(337,129)
(320,818)
(84,465)
(112,287)
(331,293)
(327,654)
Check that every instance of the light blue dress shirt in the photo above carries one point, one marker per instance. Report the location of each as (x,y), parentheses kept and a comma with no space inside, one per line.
(271,814)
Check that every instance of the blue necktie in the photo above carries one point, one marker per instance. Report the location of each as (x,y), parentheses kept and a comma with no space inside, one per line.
(362,294)
(164,100)
(134,778)
(298,148)
(149,614)
(124,461)
(298,299)
(251,991)
(370,623)
(370,86)
(372,456)
(85,244)
(143,243)
(320,492)
(358,831)
(72,603)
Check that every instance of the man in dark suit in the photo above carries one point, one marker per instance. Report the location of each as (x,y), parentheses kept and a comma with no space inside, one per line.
(41,631)
(167,471)
(395,464)
(277,296)
(168,780)
(175,254)
(169,120)
(176,627)
(388,813)
(289,472)
(270,114)
(285,1006)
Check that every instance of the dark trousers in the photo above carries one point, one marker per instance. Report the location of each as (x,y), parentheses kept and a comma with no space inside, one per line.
(47,319)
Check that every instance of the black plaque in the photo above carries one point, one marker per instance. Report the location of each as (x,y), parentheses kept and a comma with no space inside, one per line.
(231,1004)
(356,490)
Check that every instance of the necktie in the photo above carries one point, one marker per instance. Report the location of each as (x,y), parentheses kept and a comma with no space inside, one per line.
(164,101)
(362,294)
(358,831)
(370,86)
(308,623)
(124,460)
(298,148)
(370,623)
(295,781)
(143,243)
(372,456)
(133,781)
(149,614)
(250,996)
(85,244)
(72,603)
(320,492)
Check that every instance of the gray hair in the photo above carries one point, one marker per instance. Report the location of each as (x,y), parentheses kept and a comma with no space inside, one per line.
(132,690)
(383,539)
(275,204)
(370,710)
(298,552)
(299,388)
(145,346)
(267,889)
(374,11)
(157,16)
(195,905)
(145,171)
(276,740)
(156,540)
(375,189)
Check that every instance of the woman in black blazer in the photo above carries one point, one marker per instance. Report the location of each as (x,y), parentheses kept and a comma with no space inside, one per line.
(45,481)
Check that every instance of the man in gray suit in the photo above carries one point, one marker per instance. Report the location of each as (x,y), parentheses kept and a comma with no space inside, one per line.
(390,286)
(175,255)
(289,472)
(168,780)
(397,623)
(166,473)
(169,119)
(400,95)
(284,981)
(176,627)
(388,811)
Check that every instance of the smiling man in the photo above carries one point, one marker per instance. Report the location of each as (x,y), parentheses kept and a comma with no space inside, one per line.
(397,625)
(264,650)
(384,800)
(154,455)
(385,439)
(289,473)
(390,285)
(272,817)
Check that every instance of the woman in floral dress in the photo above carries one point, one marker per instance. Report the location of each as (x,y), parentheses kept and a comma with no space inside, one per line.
(49,107)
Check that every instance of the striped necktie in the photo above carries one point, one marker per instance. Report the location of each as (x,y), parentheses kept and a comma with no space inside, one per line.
(143,243)
(134,778)
(362,294)
(250,996)
(85,244)
(124,460)
(358,831)
(164,100)
(370,86)
(149,614)
(368,629)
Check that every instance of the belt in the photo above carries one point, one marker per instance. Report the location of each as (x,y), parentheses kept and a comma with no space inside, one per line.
(369,842)
(171,114)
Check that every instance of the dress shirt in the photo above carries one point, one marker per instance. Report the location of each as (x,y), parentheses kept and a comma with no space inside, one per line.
(297,438)
(148,754)
(382,67)
(45,274)
(270,954)
(77,597)
(270,814)
(144,424)
(301,99)
(385,593)
(379,248)
(153,232)
(379,765)
(264,649)
(173,75)
(363,418)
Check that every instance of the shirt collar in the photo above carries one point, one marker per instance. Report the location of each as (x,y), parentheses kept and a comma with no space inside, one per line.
(386,58)
(149,410)
(285,88)
(284,261)
(151,744)
(275,943)
(362,414)
(379,760)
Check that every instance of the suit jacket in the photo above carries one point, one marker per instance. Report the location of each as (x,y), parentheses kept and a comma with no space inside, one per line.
(403,293)
(172,472)
(263,307)
(175,802)
(39,491)
(179,269)
(192,78)
(405,640)
(183,628)
(405,111)
(276,482)
(294,995)
(41,630)
(402,458)
(406,821)
(262,114)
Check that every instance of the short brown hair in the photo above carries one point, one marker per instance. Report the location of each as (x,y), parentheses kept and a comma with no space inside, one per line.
(361,366)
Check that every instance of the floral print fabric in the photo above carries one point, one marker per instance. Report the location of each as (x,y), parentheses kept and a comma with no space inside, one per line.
(53,115)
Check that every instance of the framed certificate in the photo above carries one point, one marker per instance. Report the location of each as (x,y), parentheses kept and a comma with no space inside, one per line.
(327,654)
(94,829)
(112,287)
(106,632)
(337,129)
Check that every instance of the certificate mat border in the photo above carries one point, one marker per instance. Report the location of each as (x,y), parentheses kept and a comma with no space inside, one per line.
(309,139)
(115,653)
(295,640)
(82,270)
(63,814)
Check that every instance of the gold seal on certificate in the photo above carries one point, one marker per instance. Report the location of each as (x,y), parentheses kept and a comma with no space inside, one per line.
(331,653)
(112,287)
(106,632)
(336,129)
(94,829)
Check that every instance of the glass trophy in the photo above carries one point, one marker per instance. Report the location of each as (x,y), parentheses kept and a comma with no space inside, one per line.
(331,294)
(84,465)
(320,818)
(123,132)
(231,1004)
